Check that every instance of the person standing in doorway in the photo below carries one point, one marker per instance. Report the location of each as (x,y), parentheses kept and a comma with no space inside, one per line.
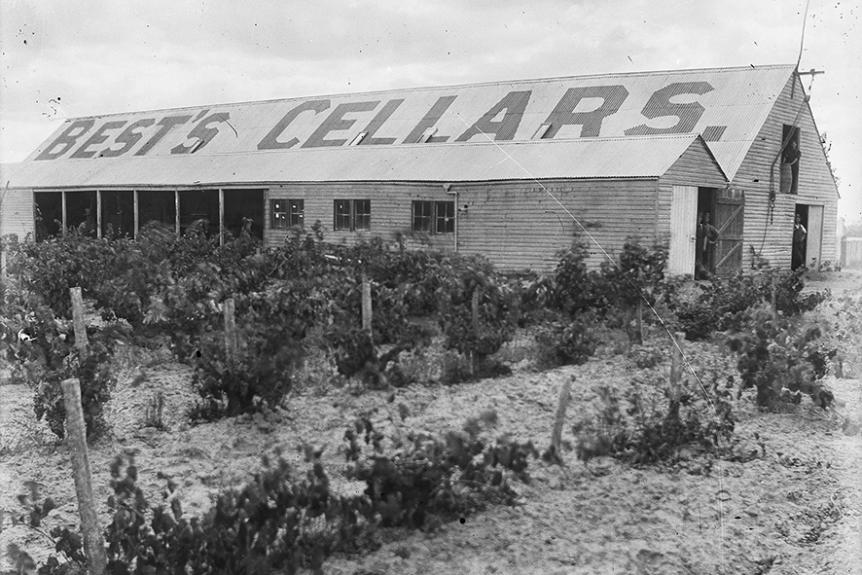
(710,240)
(707,238)
(799,236)
(699,266)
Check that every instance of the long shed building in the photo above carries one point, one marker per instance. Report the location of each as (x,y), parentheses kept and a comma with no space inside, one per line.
(510,170)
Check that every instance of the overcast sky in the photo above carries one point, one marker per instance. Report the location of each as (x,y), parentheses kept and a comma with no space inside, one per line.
(70,58)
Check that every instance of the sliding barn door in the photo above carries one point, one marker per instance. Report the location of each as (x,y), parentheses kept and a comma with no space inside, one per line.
(729,211)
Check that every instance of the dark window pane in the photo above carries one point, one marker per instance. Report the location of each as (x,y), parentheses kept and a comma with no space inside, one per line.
(362,214)
(297,212)
(341,211)
(445,217)
(422,216)
(278,214)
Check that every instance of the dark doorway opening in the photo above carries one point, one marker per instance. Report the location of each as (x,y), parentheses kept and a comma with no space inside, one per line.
(81,211)
(48,212)
(118,214)
(800,236)
(706,237)
(199,206)
(157,206)
(243,210)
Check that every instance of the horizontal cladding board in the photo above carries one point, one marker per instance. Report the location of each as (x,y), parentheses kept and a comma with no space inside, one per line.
(16,213)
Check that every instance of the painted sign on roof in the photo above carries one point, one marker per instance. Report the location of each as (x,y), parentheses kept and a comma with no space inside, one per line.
(725,105)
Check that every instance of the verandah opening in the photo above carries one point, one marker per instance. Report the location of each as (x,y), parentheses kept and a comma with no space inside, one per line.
(121,213)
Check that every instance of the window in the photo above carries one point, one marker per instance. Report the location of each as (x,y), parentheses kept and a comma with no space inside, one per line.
(422,216)
(790,157)
(351,215)
(434,217)
(445,217)
(285,214)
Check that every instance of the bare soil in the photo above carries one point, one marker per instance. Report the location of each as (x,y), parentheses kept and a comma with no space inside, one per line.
(796,508)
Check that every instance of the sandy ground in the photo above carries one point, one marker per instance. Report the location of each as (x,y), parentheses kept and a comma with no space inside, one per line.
(794,509)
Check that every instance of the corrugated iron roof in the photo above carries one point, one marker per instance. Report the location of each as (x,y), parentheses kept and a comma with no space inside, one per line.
(488,161)
(729,105)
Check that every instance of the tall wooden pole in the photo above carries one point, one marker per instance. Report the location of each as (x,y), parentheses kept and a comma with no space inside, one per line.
(76,441)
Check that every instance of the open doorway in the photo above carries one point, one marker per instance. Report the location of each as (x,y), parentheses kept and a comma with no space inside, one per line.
(800,236)
(118,214)
(48,212)
(81,211)
(706,236)
(243,211)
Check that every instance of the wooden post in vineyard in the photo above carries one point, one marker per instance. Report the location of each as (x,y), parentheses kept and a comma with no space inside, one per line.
(676,365)
(555,451)
(474,308)
(76,441)
(231,338)
(367,311)
(80,327)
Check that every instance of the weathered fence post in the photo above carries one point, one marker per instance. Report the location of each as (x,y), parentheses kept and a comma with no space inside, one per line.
(231,338)
(76,440)
(676,365)
(559,419)
(78,319)
(474,309)
(367,310)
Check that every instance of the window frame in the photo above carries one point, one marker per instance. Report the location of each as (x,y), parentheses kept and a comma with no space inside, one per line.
(438,215)
(351,215)
(291,215)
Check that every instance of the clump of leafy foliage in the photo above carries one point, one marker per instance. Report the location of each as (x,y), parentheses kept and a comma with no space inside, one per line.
(653,421)
(782,357)
(281,523)
(726,303)
(421,480)
(42,352)
(475,333)
(565,343)
(635,279)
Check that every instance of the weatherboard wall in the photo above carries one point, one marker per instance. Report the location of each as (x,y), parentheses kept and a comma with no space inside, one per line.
(520,225)
(391,210)
(16,213)
(515,224)
(771,236)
